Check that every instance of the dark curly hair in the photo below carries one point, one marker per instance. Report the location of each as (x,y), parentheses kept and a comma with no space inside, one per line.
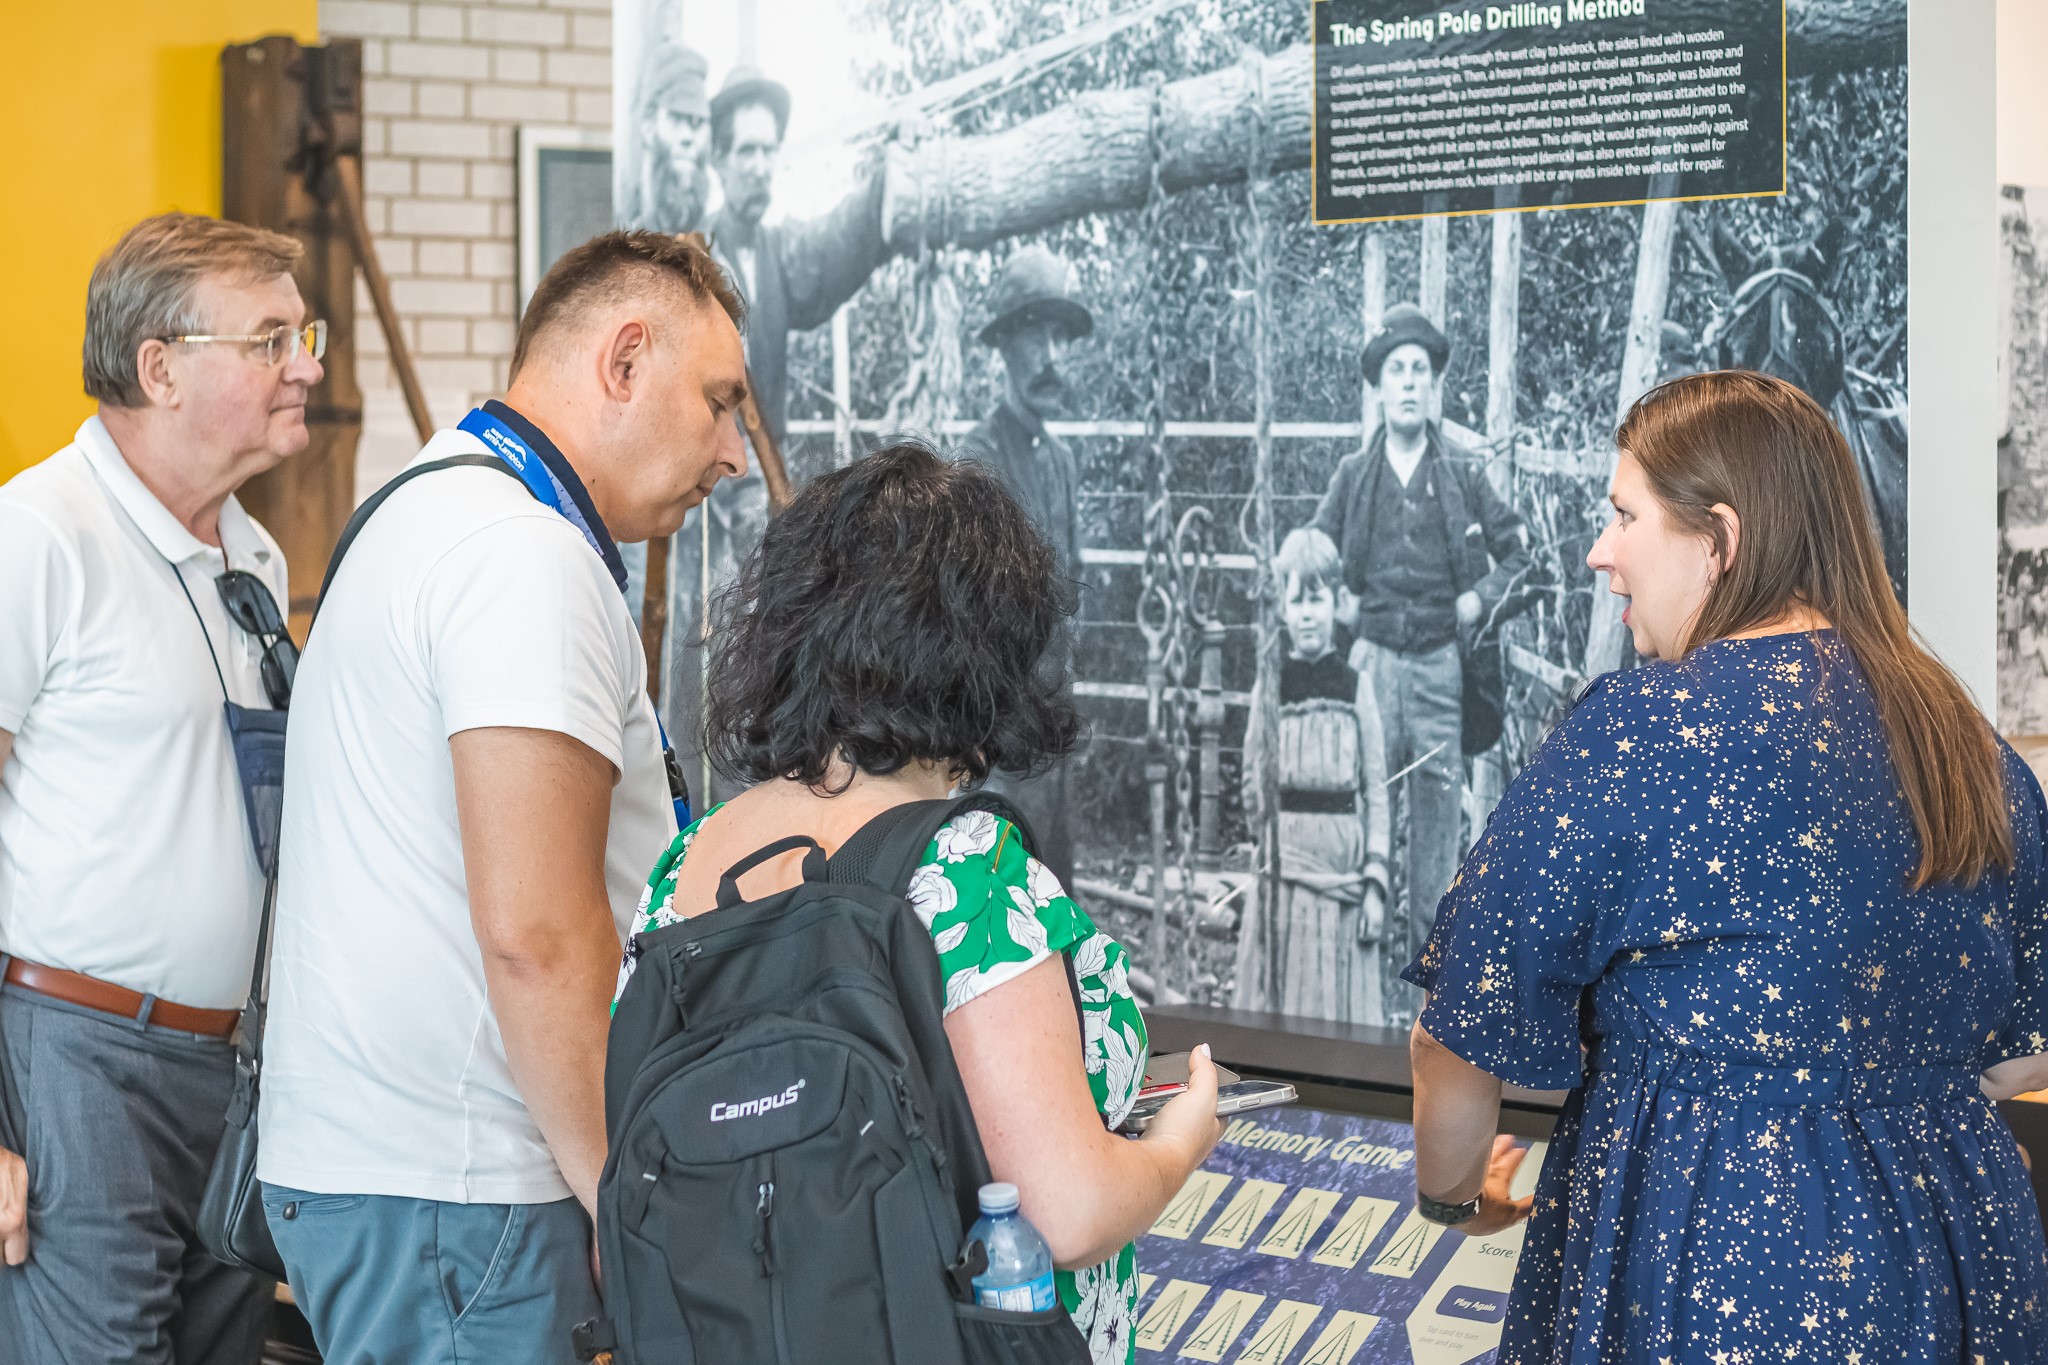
(901,609)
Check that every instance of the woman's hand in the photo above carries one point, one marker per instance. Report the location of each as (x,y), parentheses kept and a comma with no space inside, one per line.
(1497,1211)
(1187,1124)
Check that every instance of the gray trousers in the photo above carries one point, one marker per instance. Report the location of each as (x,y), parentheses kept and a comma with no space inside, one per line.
(121,1124)
(1421,699)
(386,1280)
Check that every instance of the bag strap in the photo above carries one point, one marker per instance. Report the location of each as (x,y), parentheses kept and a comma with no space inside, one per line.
(253,1008)
(886,852)
(814,866)
(377,499)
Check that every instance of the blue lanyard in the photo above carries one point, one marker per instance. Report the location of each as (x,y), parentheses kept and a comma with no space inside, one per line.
(549,491)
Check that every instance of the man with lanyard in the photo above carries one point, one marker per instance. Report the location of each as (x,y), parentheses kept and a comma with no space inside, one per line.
(1431,557)
(138,602)
(475,789)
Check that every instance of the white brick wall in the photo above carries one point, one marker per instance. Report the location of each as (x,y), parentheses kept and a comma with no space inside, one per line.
(446,82)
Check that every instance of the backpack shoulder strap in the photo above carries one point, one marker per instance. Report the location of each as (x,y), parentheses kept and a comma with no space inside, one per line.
(377,499)
(887,851)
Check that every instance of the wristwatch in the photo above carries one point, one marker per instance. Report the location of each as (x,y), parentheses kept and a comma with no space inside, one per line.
(1450,1215)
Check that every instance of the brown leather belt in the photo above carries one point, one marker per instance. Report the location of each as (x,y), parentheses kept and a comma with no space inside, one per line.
(75,988)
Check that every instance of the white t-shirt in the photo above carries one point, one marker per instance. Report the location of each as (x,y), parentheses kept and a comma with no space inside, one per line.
(465,603)
(124,843)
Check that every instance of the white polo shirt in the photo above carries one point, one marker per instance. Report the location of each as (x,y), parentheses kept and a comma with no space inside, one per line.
(464,604)
(124,845)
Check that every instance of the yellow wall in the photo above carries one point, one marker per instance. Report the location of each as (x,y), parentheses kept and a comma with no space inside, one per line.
(109,112)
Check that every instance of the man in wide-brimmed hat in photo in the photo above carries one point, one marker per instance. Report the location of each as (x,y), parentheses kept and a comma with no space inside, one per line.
(1033,318)
(1431,556)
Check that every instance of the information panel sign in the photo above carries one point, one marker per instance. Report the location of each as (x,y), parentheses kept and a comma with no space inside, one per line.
(1478,108)
(1298,1243)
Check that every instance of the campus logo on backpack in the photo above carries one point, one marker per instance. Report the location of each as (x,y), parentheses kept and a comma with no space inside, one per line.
(750,1109)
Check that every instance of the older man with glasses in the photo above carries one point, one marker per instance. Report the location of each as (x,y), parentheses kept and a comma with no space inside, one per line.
(139,629)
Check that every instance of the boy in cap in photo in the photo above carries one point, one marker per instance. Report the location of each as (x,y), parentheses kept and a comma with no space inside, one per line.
(1430,554)
(1033,319)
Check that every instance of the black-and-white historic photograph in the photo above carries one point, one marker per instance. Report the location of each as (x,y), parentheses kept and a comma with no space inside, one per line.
(2023,462)
(1328,490)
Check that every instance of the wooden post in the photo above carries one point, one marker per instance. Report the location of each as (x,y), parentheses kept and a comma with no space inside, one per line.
(1504,324)
(654,615)
(1436,263)
(1266,896)
(1374,251)
(349,172)
(1504,337)
(842,387)
(766,452)
(1638,373)
(276,94)
(1209,726)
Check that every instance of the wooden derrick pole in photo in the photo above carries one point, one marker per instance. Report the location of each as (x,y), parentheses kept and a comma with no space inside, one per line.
(1160,615)
(1638,372)
(1260,534)
(1431,293)
(1503,349)
(1373,308)
(1504,339)
(1094,153)
(1436,269)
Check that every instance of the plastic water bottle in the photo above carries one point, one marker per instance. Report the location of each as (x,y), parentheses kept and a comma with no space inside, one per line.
(1019,1274)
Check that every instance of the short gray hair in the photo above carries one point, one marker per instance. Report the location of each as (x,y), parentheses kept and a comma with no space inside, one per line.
(142,288)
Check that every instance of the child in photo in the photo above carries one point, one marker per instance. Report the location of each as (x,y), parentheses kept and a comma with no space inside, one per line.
(1319,955)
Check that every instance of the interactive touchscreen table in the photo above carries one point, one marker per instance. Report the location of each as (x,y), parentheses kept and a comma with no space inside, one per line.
(1297,1243)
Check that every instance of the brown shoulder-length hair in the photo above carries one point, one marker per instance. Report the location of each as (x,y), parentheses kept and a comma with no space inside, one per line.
(1765,449)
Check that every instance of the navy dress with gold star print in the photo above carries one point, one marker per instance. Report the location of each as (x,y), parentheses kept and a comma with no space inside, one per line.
(1690,909)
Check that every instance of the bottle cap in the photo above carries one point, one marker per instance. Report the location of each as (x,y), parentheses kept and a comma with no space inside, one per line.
(999,1196)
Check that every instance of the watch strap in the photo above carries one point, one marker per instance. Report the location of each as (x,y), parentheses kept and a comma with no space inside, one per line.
(1450,1215)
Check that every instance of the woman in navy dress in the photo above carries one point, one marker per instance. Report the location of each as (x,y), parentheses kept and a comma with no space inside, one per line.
(1772,907)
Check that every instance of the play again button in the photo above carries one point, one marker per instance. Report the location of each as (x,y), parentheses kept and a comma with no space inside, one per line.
(1480,1305)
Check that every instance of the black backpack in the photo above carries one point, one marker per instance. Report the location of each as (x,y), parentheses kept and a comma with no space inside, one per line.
(793,1165)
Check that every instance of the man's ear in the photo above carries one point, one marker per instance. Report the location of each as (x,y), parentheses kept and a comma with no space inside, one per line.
(154,374)
(625,359)
(1730,538)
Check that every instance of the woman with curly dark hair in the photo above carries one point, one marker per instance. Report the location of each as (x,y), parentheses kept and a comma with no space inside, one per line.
(890,641)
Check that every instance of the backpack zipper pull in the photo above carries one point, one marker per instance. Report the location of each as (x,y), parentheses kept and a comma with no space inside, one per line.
(765,1207)
(913,1124)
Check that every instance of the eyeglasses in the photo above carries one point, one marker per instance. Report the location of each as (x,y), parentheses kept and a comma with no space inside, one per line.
(250,605)
(280,343)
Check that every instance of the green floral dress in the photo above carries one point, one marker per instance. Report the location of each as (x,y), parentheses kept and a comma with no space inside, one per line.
(994,912)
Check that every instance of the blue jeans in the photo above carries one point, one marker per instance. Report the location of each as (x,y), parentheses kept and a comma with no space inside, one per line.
(391,1281)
